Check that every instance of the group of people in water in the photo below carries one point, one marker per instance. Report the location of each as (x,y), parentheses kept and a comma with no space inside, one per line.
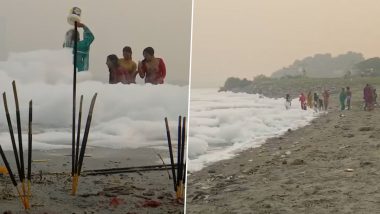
(345,97)
(125,70)
(121,70)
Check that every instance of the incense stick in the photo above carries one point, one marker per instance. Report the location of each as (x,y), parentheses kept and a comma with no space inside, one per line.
(179,152)
(14,182)
(78,134)
(12,135)
(171,153)
(183,147)
(79,161)
(30,147)
(75,176)
(163,162)
(20,147)
(85,135)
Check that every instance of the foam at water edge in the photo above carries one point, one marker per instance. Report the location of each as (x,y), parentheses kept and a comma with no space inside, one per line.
(225,123)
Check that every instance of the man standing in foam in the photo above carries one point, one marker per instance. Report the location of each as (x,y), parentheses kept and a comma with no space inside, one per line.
(152,68)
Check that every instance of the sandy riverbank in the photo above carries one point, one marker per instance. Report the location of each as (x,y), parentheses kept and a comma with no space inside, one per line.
(117,193)
(329,166)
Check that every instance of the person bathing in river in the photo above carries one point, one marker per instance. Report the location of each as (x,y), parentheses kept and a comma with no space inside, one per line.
(302,99)
(128,65)
(116,72)
(288,101)
(153,69)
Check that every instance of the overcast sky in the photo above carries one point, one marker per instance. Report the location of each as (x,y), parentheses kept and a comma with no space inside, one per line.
(245,38)
(165,25)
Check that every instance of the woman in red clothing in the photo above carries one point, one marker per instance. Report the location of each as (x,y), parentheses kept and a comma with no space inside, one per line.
(151,68)
(117,73)
(303,101)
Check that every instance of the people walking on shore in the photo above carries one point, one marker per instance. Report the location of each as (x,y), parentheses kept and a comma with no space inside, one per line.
(320,104)
(342,99)
(368,98)
(348,97)
(326,95)
(375,97)
(316,102)
(310,100)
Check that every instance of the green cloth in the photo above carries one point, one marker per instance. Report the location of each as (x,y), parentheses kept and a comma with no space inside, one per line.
(83,50)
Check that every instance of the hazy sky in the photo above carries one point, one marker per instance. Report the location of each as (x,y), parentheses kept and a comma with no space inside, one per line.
(165,25)
(245,38)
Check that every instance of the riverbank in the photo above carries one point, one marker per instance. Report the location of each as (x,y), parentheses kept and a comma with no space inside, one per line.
(329,166)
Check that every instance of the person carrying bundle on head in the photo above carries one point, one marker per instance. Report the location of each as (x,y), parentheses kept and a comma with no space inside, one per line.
(83,46)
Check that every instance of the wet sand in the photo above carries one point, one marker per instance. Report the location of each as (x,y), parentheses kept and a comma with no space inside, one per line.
(329,166)
(116,193)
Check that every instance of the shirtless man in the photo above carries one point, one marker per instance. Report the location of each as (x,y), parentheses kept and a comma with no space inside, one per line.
(151,68)
(128,65)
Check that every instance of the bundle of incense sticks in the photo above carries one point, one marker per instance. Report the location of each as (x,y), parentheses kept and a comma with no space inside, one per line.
(79,154)
(179,176)
(76,157)
(18,153)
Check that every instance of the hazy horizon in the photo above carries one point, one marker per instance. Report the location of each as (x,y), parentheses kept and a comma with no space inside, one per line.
(247,38)
(164,25)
